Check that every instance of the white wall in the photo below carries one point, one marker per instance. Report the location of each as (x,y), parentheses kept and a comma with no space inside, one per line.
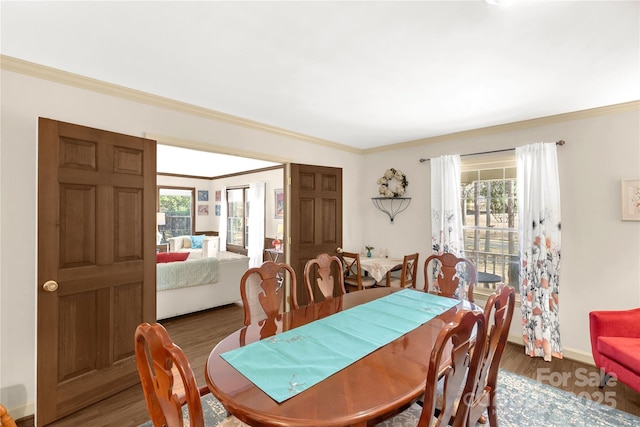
(23,100)
(600,266)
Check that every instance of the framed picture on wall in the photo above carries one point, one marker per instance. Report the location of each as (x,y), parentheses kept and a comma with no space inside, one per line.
(631,200)
(203,196)
(218,196)
(217,210)
(203,209)
(279,205)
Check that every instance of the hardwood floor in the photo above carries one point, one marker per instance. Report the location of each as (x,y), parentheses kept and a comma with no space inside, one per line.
(198,333)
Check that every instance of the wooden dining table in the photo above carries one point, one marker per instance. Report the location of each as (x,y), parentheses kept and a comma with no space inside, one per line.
(368,391)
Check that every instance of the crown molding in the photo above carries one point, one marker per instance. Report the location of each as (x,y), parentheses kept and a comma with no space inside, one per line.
(213,148)
(524,124)
(20,66)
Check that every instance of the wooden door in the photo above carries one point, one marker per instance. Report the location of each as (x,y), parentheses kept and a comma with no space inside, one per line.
(315,215)
(96,262)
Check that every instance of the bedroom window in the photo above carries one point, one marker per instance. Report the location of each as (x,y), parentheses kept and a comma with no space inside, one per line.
(238,217)
(177,203)
(490,220)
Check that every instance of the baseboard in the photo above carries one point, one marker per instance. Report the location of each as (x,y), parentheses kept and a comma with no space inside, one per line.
(28,421)
(24,415)
(567,353)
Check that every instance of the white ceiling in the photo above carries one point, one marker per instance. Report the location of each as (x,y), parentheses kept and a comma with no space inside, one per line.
(182,161)
(363,73)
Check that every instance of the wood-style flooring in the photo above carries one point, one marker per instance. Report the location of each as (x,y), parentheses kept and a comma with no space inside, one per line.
(198,333)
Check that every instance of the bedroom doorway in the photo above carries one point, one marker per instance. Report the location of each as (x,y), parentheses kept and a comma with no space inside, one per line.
(214,176)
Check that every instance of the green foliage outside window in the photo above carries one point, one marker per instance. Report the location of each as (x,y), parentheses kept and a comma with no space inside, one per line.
(176,204)
(490,216)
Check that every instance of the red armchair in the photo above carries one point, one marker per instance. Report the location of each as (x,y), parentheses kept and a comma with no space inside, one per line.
(615,345)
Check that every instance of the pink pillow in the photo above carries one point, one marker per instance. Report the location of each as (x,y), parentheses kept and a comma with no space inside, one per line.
(163,257)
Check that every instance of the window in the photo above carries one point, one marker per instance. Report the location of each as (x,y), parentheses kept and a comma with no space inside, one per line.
(490,221)
(238,217)
(178,206)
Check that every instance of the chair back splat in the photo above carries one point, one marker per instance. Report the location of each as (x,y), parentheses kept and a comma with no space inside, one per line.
(324,276)
(353,276)
(461,343)
(448,269)
(159,362)
(168,382)
(498,313)
(408,274)
(454,366)
(263,291)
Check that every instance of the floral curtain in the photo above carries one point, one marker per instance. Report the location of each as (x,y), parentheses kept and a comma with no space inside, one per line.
(255,248)
(446,219)
(446,216)
(539,230)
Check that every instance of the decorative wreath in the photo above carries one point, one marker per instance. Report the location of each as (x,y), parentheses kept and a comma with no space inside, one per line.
(385,184)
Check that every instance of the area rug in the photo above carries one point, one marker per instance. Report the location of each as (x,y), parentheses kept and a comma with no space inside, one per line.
(522,402)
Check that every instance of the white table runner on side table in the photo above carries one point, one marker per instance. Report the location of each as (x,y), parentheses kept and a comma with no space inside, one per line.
(379,267)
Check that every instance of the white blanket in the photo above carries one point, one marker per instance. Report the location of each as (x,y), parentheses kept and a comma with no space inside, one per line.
(182,274)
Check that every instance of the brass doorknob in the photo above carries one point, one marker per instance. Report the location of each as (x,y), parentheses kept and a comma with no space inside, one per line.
(50,286)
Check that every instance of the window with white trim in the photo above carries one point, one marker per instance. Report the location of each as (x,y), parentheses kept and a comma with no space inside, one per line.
(238,218)
(177,203)
(490,219)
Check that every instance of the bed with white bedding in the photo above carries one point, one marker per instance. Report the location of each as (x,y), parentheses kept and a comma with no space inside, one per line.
(198,283)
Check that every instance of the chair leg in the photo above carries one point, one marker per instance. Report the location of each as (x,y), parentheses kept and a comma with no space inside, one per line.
(492,411)
(493,416)
(604,380)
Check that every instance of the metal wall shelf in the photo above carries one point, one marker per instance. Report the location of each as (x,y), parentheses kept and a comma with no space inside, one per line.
(392,206)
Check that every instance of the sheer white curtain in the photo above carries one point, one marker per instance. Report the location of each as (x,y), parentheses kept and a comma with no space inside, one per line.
(256,224)
(539,232)
(446,219)
(222,227)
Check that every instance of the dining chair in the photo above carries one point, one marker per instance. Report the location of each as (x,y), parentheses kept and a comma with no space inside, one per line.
(446,272)
(263,291)
(454,360)
(408,273)
(498,313)
(353,276)
(168,382)
(324,276)
(6,420)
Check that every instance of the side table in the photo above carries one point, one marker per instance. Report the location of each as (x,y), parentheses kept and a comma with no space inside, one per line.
(274,254)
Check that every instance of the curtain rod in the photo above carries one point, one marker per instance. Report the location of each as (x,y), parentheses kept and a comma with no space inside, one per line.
(560,143)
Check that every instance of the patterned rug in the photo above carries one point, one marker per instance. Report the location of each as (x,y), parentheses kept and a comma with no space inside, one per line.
(522,402)
(533,404)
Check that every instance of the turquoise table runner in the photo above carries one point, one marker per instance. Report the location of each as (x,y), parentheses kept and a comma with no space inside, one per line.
(288,363)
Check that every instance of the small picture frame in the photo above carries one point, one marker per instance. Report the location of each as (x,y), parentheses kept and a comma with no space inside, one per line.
(218,195)
(279,203)
(217,209)
(203,209)
(631,200)
(203,196)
